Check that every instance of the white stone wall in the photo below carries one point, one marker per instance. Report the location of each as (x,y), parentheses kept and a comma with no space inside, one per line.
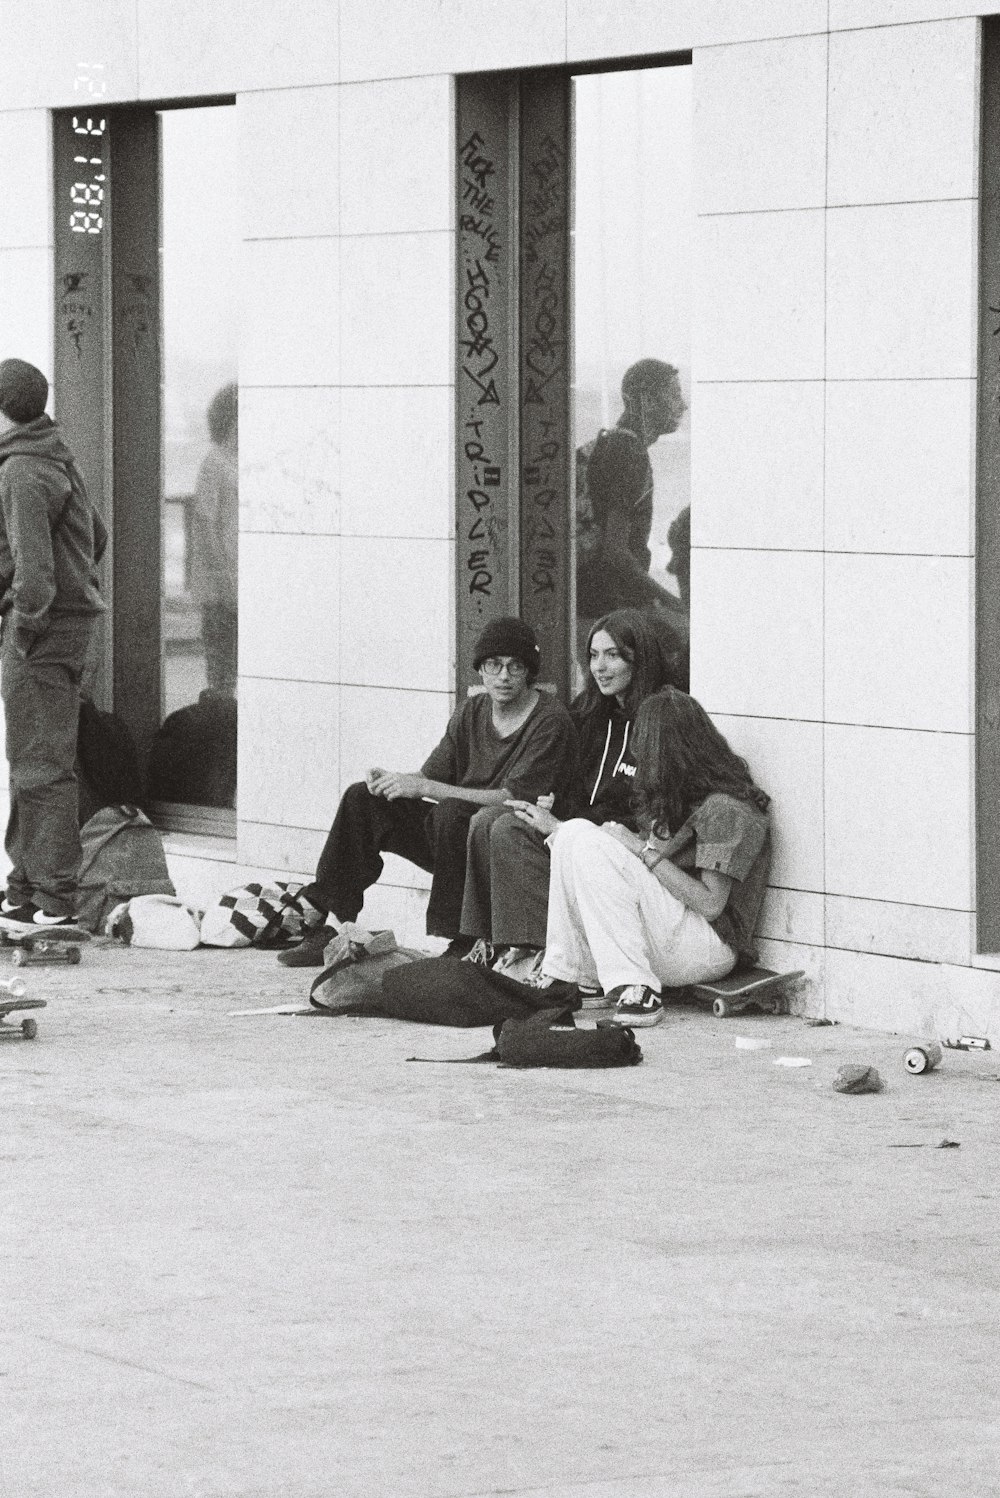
(833,414)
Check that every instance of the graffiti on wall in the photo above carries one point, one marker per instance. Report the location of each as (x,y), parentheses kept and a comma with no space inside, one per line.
(483,373)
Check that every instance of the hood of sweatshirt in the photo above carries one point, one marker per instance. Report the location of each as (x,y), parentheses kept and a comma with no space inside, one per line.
(40,438)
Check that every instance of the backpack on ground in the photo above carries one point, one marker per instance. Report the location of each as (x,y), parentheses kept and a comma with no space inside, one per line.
(441,991)
(355,962)
(122,857)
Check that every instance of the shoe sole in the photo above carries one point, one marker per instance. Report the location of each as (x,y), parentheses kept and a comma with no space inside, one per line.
(639,1021)
(74,934)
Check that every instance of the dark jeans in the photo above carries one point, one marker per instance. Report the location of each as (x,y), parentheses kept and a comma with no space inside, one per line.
(432,837)
(41,699)
(506,897)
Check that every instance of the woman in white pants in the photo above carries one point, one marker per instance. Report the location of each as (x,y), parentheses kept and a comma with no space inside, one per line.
(635,915)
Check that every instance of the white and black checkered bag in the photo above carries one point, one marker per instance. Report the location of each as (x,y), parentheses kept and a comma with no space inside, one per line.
(258,915)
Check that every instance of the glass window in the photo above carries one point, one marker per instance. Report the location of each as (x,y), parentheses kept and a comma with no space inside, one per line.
(632,238)
(193,756)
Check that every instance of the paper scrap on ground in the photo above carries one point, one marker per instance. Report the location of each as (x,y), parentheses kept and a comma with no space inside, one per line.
(746,1043)
(792,1061)
(276,1009)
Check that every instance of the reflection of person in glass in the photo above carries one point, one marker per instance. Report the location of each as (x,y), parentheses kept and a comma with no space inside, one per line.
(215,540)
(614,504)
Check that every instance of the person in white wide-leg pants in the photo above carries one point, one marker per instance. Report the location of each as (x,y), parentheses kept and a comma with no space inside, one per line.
(611,923)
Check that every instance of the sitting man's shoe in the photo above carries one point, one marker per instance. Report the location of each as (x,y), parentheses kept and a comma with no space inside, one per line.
(459,947)
(522,963)
(309,952)
(483,953)
(637,1006)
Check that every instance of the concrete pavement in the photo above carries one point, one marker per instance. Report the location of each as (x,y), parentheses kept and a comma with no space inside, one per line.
(269,1256)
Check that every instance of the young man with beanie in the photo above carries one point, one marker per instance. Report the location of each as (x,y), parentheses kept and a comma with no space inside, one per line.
(51,540)
(509,740)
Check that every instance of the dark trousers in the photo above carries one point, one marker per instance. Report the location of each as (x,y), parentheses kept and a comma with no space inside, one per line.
(219,639)
(41,699)
(432,837)
(506,896)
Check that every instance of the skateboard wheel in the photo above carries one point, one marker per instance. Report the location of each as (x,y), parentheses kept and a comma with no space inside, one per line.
(29,1029)
(921,1058)
(720,1008)
(20,957)
(72,956)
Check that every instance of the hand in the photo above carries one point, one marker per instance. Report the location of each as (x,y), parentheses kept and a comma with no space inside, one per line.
(535,815)
(373,777)
(396,785)
(624,835)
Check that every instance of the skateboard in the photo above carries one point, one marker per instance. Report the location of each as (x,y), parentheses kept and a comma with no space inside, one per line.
(58,944)
(758,985)
(27,1026)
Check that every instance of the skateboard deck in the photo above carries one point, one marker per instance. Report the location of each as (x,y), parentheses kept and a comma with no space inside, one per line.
(41,944)
(760,986)
(27,1027)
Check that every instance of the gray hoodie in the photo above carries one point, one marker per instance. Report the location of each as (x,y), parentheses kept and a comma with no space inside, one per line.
(51,537)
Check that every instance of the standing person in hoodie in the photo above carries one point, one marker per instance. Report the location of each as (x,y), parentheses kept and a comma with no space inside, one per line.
(51,540)
(505,901)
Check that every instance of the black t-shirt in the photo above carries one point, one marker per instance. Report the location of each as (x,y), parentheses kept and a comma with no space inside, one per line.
(538,758)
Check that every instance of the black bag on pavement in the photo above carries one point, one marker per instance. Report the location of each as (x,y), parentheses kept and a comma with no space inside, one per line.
(534,1042)
(441,991)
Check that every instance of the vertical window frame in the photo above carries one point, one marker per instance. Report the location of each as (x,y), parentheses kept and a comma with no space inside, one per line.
(107,363)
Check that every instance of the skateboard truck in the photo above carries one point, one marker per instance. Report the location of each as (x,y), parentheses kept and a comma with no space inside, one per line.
(48,946)
(27,1028)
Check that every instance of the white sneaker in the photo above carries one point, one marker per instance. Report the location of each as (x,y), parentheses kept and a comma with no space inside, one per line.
(481,953)
(522,963)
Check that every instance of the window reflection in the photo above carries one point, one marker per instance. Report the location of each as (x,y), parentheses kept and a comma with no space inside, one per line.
(631,272)
(193,757)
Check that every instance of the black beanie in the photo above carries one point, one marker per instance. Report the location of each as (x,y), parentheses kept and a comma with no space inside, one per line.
(508,637)
(23,390)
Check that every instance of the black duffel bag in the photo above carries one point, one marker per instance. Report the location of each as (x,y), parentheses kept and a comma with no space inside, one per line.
(442,991)
(545,1040)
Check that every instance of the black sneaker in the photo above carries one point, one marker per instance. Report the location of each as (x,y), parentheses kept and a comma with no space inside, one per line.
(34,919)
(637,1006)
(459,946)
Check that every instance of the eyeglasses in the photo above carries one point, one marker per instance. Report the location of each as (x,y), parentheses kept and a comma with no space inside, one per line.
(494,666)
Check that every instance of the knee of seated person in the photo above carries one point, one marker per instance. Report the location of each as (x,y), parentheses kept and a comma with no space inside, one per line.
(486,818)
(508,827)
(576,830)
(357,791)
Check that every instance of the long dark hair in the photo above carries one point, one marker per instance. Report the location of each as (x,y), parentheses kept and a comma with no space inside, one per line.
(682,758)
(640,645)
